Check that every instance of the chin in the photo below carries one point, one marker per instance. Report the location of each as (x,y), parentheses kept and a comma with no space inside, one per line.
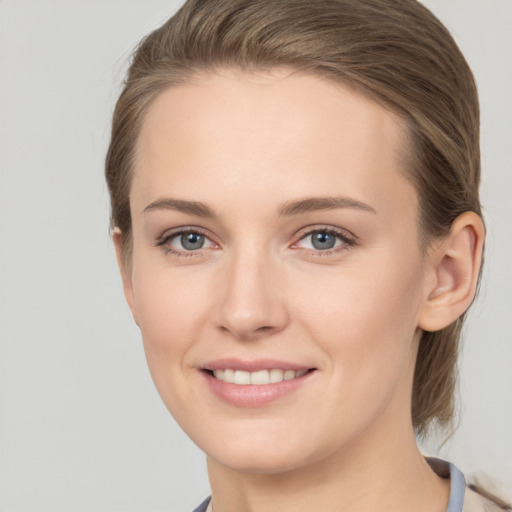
(257,462)
(267,453)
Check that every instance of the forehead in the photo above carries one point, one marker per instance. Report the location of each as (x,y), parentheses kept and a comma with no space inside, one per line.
(279,130)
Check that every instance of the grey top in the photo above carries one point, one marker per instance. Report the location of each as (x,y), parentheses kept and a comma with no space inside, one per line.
(442,468)
(457,490)
(203,506)
(457,482)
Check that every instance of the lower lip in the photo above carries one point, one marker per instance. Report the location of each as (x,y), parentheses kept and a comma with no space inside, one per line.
(251,395)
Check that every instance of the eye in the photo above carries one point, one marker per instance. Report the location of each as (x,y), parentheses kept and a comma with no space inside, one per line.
(183,242)
(324,240)
(189,241)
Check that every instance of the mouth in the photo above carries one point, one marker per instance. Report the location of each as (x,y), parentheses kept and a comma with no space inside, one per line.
(255,384)
(257,378)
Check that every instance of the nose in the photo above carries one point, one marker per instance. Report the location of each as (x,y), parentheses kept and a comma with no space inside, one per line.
(252,301)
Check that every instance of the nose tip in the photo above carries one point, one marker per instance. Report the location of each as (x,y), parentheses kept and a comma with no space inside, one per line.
(248,328)
(252,303)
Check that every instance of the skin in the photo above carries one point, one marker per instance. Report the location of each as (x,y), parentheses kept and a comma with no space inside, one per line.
(246,145)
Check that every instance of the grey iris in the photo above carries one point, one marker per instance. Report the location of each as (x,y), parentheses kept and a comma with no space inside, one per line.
(192,241)
(323,240)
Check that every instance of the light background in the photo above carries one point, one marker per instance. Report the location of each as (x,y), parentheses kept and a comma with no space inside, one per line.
(81,425)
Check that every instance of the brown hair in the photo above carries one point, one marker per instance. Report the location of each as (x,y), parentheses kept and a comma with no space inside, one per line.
(393,51)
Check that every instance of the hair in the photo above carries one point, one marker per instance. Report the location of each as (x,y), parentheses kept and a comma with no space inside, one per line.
(395,52)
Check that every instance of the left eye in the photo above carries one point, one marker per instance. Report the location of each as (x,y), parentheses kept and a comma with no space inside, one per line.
(321,240)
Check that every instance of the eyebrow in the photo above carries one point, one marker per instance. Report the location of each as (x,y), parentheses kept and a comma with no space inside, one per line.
(311,204)
(190,207)
(288,209)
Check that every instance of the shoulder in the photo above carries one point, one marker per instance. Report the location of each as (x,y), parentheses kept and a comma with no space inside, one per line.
(478,500)
(466,498)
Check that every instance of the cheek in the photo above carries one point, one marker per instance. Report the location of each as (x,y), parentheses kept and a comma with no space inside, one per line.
(365,319)
(381,296)
(171,308)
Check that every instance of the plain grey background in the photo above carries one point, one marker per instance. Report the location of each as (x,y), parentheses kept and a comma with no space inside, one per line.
(81,425)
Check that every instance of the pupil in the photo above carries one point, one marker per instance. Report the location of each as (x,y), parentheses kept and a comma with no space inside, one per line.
(192,241)
(323,241)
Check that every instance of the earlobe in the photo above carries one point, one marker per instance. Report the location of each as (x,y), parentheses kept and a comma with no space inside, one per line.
(456,265)
(126,274)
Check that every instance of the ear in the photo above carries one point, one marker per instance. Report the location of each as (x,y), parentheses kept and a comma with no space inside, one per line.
(125,270)
(456,262)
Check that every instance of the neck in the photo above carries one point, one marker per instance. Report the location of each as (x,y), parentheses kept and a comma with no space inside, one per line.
(382,475)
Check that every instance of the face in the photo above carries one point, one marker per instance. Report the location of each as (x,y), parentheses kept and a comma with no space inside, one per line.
(277,278)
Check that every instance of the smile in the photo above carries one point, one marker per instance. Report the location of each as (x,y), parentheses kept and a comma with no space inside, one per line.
(258,378)
(254,384)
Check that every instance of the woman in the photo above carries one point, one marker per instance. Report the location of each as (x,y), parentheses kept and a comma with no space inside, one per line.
(295,211)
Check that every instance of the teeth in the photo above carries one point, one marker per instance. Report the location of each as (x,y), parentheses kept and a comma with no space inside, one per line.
(242,377)
(289,375)
(276,375)
(229,376)
(259,378)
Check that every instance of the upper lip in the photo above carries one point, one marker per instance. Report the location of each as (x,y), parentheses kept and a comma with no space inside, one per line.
(253,366)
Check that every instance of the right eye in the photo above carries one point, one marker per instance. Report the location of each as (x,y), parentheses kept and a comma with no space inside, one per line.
(183,242)
(189,241)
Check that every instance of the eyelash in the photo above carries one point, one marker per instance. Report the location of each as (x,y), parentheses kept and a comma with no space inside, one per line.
(347,241)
